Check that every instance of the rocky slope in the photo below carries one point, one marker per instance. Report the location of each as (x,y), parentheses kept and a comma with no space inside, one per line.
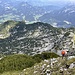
(27,38)
(18,37)
(58,66)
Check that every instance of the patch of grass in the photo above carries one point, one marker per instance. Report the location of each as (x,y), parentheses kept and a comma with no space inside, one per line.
(11,73)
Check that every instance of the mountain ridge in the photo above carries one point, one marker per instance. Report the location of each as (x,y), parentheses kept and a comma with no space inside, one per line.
(34,38)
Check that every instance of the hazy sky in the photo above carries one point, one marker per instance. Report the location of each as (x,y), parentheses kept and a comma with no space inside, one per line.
(50,0)
(56,0)
(53,0)
(72,1)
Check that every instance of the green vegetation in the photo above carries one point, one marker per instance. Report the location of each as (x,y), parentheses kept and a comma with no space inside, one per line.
(66,34)
(44,55)
(16,62)
(19,62)
(11,73)
(26,65)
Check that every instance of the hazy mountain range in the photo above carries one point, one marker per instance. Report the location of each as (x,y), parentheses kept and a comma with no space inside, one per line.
(57,13)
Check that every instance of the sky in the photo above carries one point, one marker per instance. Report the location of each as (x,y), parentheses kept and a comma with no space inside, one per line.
(56,0)
(53,0)
(49,2)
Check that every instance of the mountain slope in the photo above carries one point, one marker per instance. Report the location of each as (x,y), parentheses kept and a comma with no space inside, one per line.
(34,38)
(53,66)
(28,38)
(61,18)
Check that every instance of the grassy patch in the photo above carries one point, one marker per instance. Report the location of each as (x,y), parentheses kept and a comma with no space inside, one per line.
(11,73)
